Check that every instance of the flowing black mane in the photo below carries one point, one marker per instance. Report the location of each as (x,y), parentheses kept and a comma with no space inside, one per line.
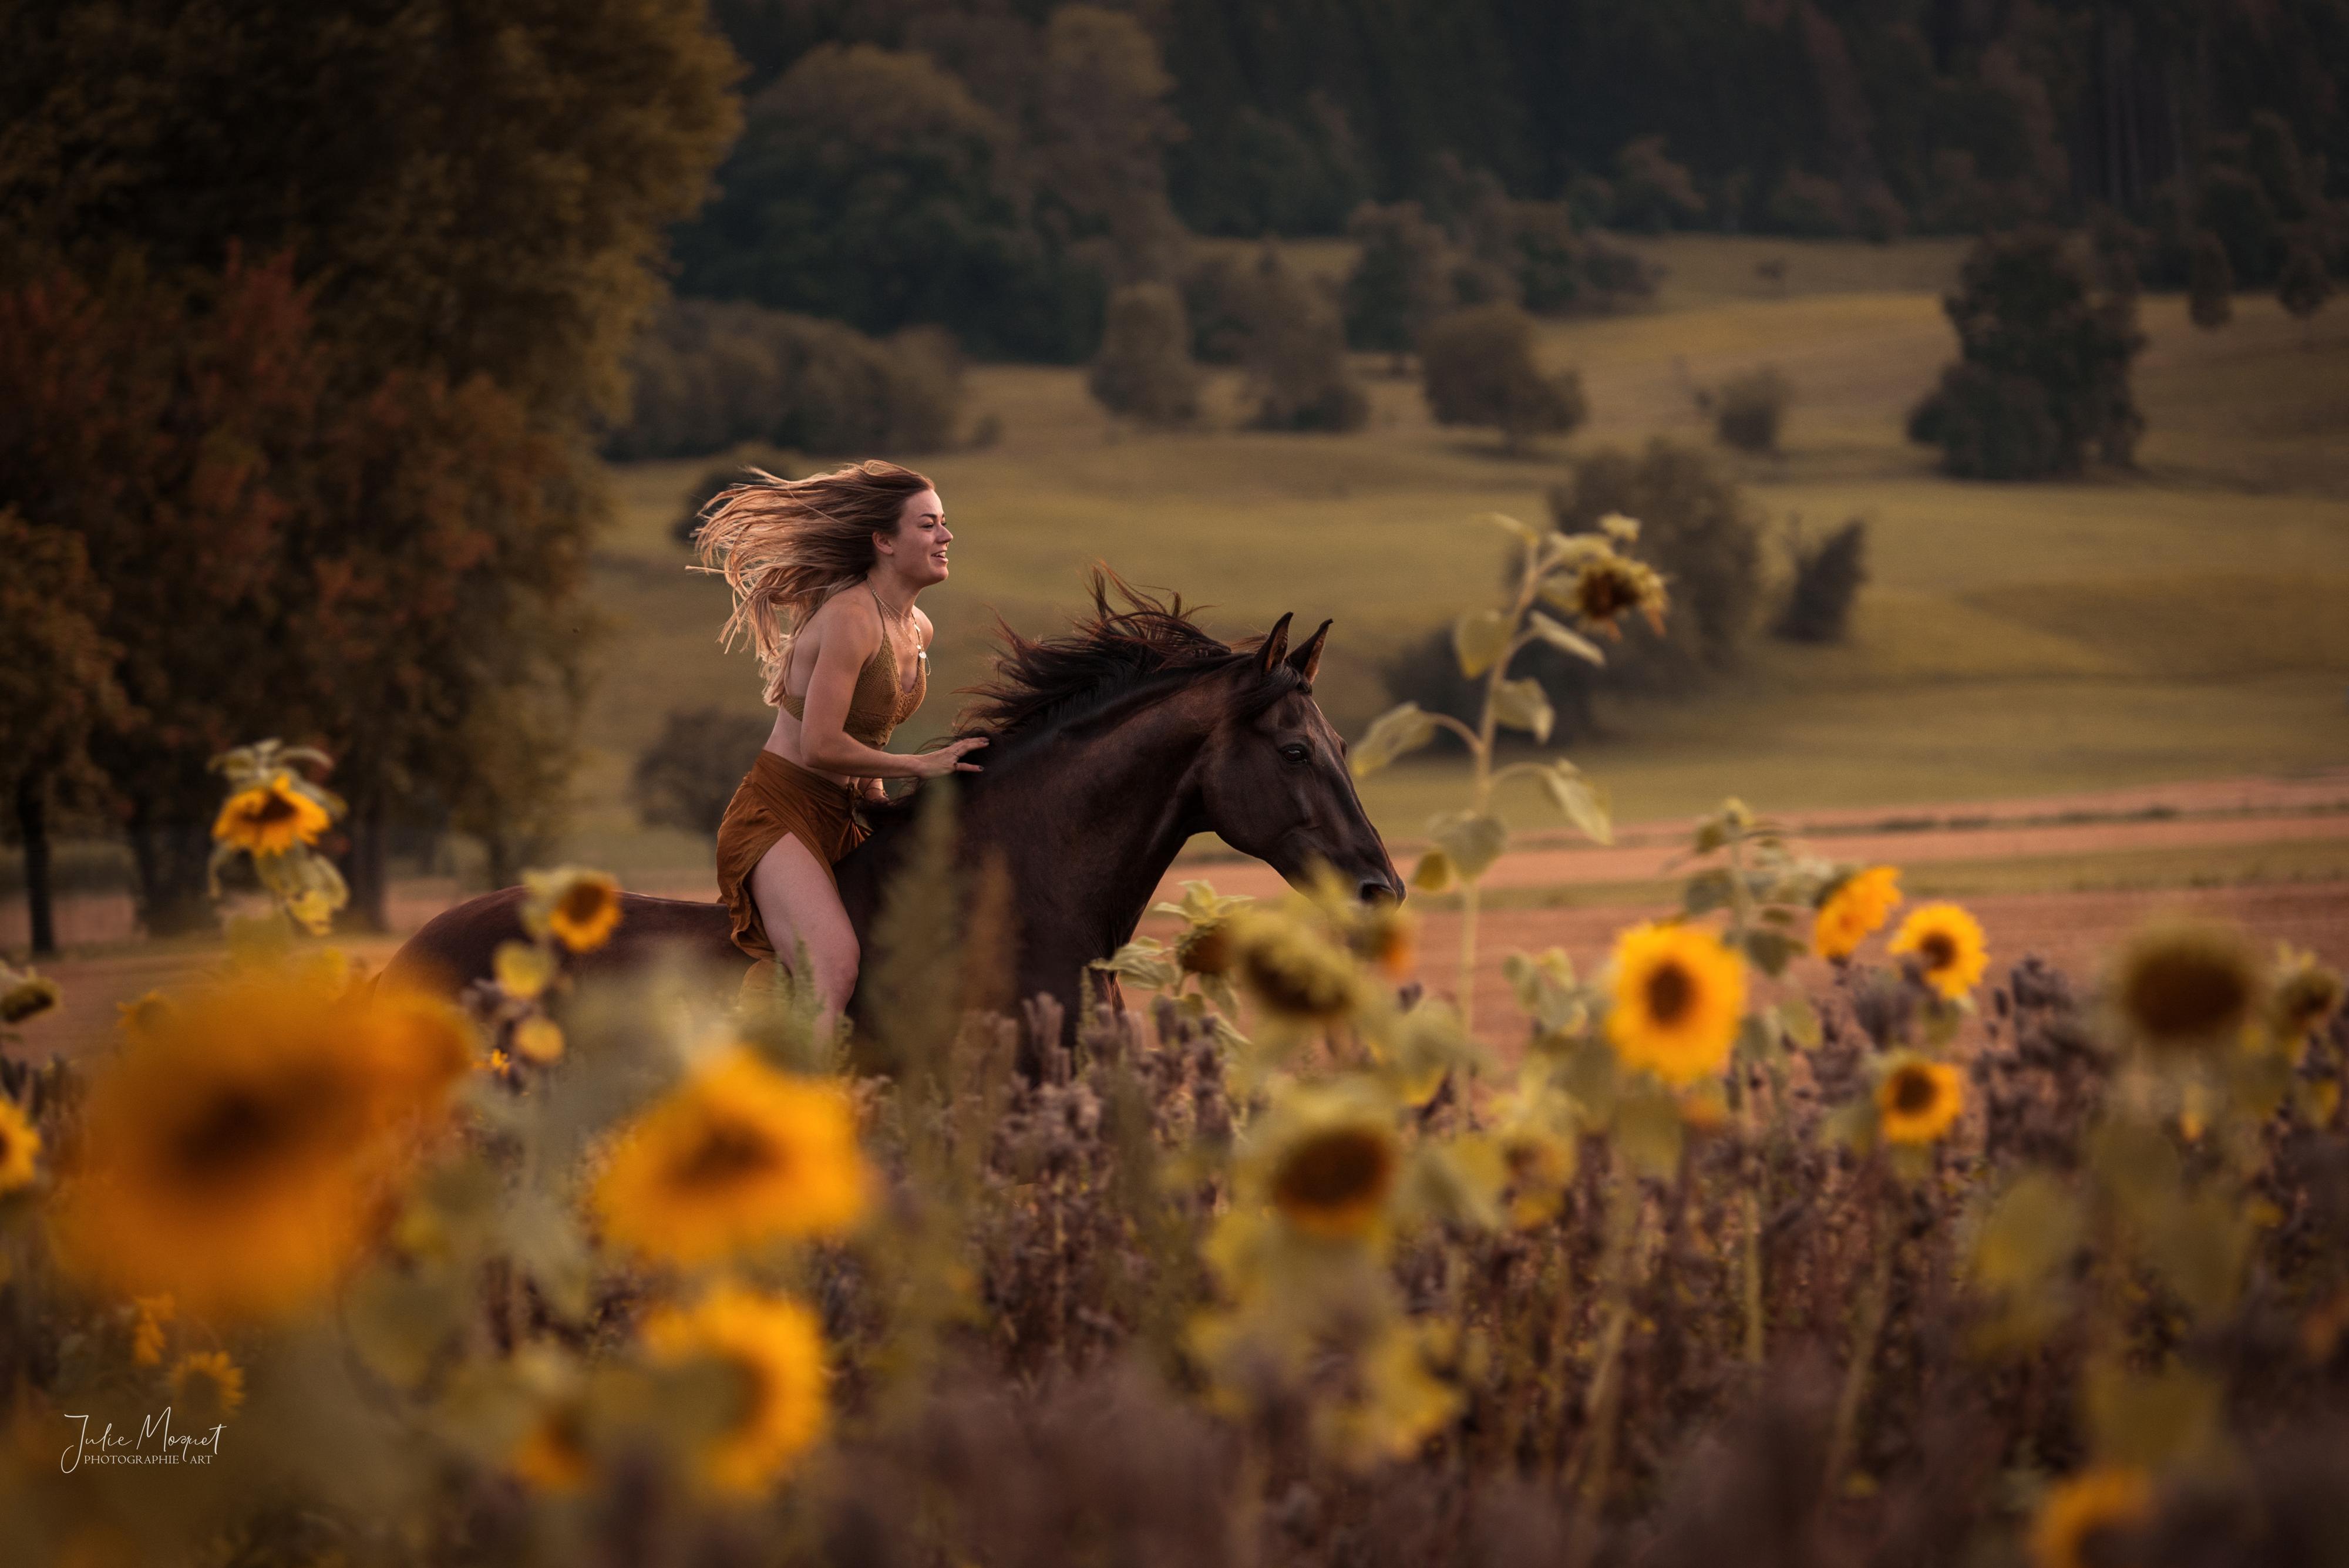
(1038,684)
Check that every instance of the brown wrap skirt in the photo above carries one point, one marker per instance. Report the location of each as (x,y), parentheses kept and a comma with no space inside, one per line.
(777,797)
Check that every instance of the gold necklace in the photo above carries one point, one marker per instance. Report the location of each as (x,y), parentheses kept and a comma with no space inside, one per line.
(905,619)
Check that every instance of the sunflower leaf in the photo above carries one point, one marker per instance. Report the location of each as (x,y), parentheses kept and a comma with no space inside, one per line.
(1471,840)
(1479,638)
(1770,950)
(1522,705)
(1566,641)
(1397,729)
(1583,802)
(1433,872)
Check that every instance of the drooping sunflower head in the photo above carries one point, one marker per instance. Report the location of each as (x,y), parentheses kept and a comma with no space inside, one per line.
(1853,909)
(773,1348)
(272,817)
(25,995)
(1917,1100)
(1946,946)
(19,1146)
(1678,993)
(1204,949)
(2182,985)
(1607,586)
(207,1387)
(1291,970)
(2306,992)
(2082,1511)
(579,907)
(237,1155)
(738,1156)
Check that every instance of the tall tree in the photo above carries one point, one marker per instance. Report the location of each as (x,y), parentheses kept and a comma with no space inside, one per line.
(467,191)
(57,686)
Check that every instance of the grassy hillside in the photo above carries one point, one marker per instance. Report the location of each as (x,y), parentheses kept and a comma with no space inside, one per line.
(2184,621)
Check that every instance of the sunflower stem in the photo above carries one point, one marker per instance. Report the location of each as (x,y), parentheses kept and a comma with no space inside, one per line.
(1604,1394)
(1867,1329)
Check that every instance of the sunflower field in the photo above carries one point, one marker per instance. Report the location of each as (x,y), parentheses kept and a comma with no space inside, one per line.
(1958,1259)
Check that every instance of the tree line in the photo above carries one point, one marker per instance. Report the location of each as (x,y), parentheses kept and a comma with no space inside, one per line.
(307,315)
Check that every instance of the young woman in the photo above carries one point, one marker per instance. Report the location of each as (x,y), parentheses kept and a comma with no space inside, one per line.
(824,572)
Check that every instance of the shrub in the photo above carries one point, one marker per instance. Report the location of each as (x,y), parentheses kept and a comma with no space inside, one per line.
(1218,299)
(1809,205)
(707,376)
(1749,410)
(1653,193)
(1144,369)
(1827,579)
(1296,355)
(2044,376)
(2303,285)
(1400,278)
(2211,281)
(1480,370)
(685,778)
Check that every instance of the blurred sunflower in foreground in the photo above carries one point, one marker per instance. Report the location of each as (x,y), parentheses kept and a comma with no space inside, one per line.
(1947,947)
(1677,994)
(2083,1513)
(1326,1159)
(579,908)
(738,1156)
(206,1387)
(1854,908)
(1917,1100)
(237,1152)
(2183,984)
(774,1350)
(1291,970)
(19,1143)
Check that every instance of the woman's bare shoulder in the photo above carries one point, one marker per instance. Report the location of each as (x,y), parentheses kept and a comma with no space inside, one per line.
(848,618)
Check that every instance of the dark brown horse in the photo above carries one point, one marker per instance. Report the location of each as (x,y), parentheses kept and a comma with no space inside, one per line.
(1109,748)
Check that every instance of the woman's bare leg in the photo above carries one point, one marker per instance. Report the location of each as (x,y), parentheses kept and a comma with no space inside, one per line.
(798,902)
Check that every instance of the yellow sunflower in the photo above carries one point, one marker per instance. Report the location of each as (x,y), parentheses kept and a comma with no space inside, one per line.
(1291,970)
(738,1156)
(1326,1159)
(25,995)
(147,1337)
(1916,1100)
(1857,906)
(1677,994)
(2079,1509)
(1948,943)
(19,1143)
(2307,993)
(775,1348)
(2182,983)
(523,969)
(271,818)
(580,908)
(538,1040)
(1607,586)
(1386,937)
(553,1455)
(237,1154)
(207,1387)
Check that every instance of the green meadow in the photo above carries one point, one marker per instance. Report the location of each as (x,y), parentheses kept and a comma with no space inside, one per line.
(2187,620)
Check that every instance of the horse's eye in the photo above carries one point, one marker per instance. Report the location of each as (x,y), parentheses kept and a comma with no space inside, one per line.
(1294,753)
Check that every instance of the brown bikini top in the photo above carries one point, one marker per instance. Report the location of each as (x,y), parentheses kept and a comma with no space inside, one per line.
(879,704)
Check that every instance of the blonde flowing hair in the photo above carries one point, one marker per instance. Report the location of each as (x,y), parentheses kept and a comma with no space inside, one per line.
(785,545)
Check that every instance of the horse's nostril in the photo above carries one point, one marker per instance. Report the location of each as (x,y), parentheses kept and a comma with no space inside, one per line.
(1378,891)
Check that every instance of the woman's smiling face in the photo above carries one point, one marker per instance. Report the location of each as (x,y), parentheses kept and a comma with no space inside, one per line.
(918,549)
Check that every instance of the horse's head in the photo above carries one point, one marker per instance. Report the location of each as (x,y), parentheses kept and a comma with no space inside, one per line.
(1273,777)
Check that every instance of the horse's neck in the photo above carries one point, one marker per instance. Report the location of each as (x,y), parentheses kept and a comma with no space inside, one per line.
(1085,828)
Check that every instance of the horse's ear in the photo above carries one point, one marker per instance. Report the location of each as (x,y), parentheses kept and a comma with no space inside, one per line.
(1308,656)
(1274,645)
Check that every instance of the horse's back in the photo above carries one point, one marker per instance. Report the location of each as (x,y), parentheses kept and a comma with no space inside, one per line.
(458,945)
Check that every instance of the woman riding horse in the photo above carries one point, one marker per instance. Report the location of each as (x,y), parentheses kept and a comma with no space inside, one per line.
(825,571)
